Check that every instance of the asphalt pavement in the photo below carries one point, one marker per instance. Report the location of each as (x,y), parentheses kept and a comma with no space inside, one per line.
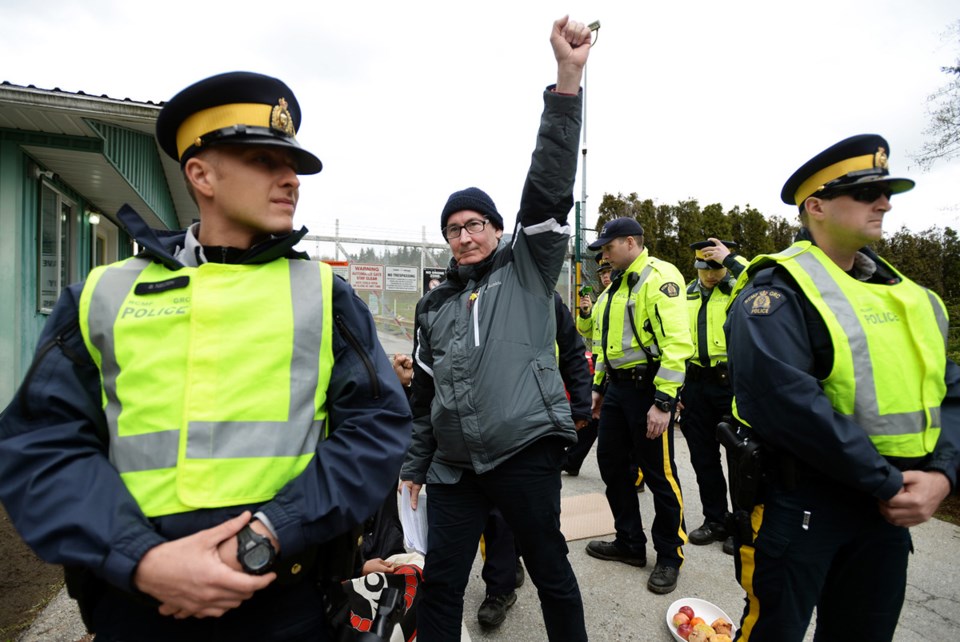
(617,604)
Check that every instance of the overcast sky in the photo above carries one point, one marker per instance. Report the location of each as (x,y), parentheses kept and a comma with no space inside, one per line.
(405,102)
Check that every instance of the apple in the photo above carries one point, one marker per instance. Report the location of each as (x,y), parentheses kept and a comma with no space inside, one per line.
(696,620)
(680,618)
(684,631)
(687,610)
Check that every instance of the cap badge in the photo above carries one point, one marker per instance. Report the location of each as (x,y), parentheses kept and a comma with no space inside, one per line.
(880,158)
(280,118)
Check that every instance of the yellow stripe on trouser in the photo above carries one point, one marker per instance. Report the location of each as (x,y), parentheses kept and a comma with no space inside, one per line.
(668,473)
(747,568)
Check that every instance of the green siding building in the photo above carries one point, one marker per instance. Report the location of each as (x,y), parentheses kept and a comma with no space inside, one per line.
(68,161)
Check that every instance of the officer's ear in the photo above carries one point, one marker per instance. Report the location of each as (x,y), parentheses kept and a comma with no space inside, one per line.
(200,174)
(813,207)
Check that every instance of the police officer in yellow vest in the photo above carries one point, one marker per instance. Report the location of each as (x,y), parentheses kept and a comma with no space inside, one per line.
(585,304)
(642,337)
(706,391)
(205,420)
(838,369)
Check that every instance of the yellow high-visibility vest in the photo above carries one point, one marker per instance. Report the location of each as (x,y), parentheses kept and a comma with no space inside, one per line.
(214,378)
(889,346)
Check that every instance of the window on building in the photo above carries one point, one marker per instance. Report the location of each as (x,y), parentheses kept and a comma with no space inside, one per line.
(105,242)
(58,225)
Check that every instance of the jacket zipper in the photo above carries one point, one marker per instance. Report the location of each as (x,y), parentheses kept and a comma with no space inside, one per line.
(364,357)
(59,340)
(473,307)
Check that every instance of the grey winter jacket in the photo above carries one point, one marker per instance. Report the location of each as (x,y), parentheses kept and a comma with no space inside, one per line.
(486,382)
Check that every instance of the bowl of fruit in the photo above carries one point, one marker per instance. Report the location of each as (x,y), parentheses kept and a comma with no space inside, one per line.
(693,620)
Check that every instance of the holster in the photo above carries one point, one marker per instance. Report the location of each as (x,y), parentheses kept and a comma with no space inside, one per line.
(747,471)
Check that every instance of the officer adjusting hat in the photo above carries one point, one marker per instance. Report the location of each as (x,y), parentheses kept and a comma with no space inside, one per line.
(617,228)
(850,163)
(701,262)
(235,108)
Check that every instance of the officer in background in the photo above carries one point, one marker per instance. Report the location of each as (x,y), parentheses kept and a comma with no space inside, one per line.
(838,369)
(642,336)
(706,389)
(205,421)
(585,304)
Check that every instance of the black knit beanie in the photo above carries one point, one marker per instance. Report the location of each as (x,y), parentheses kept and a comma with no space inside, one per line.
(474,199)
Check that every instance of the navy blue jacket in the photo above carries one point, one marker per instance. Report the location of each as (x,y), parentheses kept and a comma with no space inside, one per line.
(69,503)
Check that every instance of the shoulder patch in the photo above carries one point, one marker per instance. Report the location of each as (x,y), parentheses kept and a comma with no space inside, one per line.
(763,302)
(670,288)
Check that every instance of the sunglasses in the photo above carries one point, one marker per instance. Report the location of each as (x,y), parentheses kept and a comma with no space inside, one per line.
(863,194)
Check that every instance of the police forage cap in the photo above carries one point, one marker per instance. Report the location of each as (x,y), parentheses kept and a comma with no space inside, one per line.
(602,264)
(472,198)
(701,262)
(618,227)
(235,108)
(851,162)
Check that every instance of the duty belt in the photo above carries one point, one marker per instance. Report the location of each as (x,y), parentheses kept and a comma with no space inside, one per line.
(716,374)
(636,373)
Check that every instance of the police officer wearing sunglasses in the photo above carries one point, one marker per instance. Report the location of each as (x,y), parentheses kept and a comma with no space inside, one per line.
(838,369)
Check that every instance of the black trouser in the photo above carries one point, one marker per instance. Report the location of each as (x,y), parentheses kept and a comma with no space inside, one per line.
(526,489)
(579,451)
(500,556)
(705,403)
(623,442)
(275,614)
(848,562)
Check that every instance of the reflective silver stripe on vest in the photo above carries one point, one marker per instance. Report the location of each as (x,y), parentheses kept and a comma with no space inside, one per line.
(158,450)
(630,354)
(938,312)
(105,303)
(866,410)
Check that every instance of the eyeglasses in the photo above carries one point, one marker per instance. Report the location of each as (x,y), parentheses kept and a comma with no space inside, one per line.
(863,194)
(472,227)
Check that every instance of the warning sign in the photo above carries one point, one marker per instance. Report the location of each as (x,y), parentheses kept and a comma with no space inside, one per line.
(432,277)
(401,279)
(366,276)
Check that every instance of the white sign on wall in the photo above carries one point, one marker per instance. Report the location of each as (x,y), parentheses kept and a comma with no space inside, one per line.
(402,279)
(366,276)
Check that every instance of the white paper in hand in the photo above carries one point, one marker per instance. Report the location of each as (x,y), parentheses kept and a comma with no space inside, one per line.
(414,522)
